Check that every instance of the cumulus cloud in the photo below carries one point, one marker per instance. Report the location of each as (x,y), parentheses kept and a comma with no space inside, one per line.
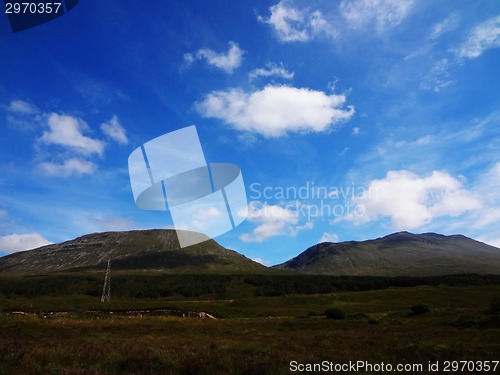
(272,220)
(383,14)
(329,237)
(22,107)
(67,168)
(483,37)
(411,201)
(271,69)
(17,242)
(68,131)
(296,25)
(72,135)
(276,110)
(114,130)
(227,61)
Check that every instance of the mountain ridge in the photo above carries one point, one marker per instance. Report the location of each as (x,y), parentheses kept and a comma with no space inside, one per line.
(156,250)
(398,254)
(152,250)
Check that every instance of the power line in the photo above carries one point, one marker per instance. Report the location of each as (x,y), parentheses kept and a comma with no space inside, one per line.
(106,290)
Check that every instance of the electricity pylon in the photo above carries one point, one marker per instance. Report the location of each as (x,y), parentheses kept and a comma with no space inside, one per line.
(106,290)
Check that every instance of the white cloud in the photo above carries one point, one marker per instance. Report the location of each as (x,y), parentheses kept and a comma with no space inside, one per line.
(262,261)
(412,201)
(92,220)
(68,131)
(114,130)
(23,115)
(488,187)
(438,77)
(356,131)
(276,110)
(488,184)
(485,217)
(490,241)
(383,14)
(271,69)
(483,37)
(307,225)
(288,23)
(329,237)
(296,25)
(68,167)
(99,222)
(272,220)
(17,242)
(202,217)
(422,141)
(22,107)
(228,61)
(450,23)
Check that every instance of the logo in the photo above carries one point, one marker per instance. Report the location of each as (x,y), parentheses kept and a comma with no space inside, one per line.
(170,173)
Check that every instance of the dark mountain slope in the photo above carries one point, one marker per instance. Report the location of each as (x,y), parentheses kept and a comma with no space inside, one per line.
(399,254)
(134,250)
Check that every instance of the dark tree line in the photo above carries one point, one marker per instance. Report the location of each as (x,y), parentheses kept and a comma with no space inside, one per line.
(219,286)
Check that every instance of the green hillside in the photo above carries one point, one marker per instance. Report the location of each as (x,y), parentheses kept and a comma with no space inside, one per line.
(142,250)
(399,254)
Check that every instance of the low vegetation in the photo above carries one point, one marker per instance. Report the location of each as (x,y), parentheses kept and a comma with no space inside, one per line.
(74,333)
(420,309)
(335,313)
(494,306)
(216,286)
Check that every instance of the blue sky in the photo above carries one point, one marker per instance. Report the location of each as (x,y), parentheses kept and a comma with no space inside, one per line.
(349,120)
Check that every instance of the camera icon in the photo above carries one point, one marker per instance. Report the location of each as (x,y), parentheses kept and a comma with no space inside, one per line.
(170,173)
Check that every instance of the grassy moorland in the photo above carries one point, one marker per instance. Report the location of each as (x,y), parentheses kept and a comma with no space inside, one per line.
(255,335)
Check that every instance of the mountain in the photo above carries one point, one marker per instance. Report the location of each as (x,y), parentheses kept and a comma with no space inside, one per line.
(152,250)
(398,254)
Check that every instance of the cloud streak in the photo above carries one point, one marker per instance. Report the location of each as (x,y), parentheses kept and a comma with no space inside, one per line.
(270,70)
(22,107)
(68,167)
(384,14)
(483,37)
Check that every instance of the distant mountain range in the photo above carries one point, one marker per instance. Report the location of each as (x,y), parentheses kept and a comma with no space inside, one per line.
(141,250)
(398,254)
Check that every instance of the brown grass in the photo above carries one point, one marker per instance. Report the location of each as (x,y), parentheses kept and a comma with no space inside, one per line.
(31,344)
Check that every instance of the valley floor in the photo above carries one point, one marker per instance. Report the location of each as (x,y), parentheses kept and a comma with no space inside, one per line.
(267,335)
